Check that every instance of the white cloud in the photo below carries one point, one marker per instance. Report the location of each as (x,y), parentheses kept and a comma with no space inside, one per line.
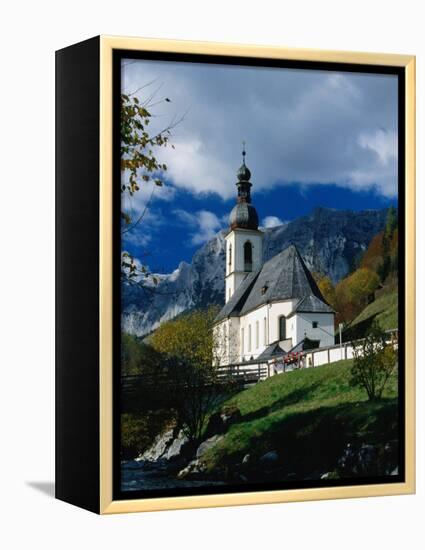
(382,142)
(202,225)
(137,237)
(145,221)
(148,194)
(192,167)
(272,221)
(300,126)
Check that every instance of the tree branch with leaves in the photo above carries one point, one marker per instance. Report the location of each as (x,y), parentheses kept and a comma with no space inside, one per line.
(139,167)
(375,361)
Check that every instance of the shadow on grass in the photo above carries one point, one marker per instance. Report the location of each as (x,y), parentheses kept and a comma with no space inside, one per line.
(297,396)
(360,329)
(310,443)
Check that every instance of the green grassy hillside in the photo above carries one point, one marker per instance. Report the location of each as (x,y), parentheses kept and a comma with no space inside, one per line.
(384,309)
(308,417)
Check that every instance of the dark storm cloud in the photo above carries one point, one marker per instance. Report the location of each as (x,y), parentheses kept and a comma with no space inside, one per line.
(300,126)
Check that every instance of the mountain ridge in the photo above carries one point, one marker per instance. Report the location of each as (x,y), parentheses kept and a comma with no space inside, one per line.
(330,241)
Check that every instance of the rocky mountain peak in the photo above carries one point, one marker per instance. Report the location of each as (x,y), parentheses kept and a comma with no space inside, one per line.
(330,241)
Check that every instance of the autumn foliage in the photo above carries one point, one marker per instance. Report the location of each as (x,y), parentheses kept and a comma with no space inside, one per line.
(189,337)
(353,292)
(377,267)
(327,289)
(189,348)
(373,256)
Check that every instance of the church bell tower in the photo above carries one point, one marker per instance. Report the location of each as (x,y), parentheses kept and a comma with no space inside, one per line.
(244,241)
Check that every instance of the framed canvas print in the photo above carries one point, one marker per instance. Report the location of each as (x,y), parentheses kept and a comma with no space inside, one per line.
(235,274)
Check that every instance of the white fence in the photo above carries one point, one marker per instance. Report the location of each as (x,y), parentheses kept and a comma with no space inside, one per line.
(252,372)
(314,358)
(325,355)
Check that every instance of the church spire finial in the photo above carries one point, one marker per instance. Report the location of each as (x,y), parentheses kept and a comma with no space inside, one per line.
(243,173)
(244,215)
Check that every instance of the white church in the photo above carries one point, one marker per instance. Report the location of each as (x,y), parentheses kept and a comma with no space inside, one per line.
(271,309)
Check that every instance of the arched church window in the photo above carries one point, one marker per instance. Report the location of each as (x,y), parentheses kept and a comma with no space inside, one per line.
(282,327)
(230,255)
(247,254)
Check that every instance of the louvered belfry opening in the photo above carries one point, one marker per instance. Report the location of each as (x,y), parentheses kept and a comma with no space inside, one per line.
(247,254)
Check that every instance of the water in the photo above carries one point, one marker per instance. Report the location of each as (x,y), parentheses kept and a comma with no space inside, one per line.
(142,477)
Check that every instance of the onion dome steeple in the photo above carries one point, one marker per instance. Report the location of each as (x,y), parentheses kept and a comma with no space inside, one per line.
(243,184)
(244,175)
(244,215)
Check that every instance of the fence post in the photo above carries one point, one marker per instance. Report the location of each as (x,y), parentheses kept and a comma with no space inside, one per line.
(329,355)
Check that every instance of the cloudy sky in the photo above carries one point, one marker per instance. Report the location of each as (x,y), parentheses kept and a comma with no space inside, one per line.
(313,138)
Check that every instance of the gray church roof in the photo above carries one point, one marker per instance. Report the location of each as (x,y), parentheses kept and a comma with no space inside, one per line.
(274,350)
(283,277)
(312,304)
(233,307)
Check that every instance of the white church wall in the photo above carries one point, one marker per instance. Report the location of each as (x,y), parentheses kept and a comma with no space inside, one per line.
(241,236)
(276,310)
(245,338)
(263,324)
(235,264)
(230,252)
(219,350)
(253,327)
(324,332)
(227,344)
(234,340)
(232,283)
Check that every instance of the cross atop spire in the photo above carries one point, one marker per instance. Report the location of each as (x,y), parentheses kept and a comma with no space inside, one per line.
(244,175)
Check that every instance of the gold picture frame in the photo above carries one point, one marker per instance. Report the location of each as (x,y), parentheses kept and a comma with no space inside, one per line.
(106,46)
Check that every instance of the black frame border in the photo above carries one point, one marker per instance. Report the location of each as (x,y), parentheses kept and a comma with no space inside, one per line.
(400,72)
